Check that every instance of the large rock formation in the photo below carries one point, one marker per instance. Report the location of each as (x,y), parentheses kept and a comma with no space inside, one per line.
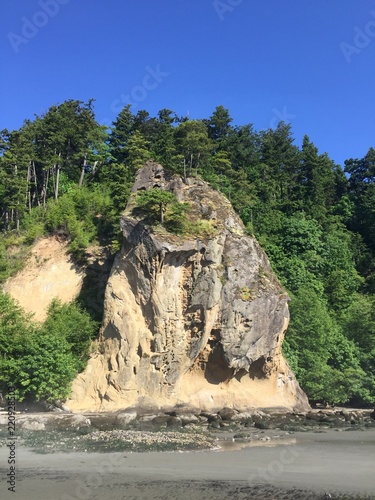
(195,320)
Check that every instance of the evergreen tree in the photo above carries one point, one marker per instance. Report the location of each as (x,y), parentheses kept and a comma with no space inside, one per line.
(219,124)
(137,151)
(194,145)
(120,134)
(362,192)
(279,166)
(164,148)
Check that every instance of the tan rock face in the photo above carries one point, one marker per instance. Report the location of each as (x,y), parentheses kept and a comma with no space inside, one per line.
(190,320)
(49,274)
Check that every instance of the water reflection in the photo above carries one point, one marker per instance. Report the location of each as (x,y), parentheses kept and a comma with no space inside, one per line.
(235,445)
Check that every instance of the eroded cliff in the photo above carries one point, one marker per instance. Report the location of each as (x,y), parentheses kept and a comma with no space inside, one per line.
(193,320)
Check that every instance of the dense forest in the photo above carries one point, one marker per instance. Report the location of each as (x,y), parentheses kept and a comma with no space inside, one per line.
(64,173)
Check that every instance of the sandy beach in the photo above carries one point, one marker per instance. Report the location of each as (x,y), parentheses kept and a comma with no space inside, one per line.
(304,466)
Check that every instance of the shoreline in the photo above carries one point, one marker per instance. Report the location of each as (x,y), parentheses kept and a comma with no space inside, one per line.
(316,464)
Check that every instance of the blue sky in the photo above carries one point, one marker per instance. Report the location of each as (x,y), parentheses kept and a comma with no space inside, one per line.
(264,60)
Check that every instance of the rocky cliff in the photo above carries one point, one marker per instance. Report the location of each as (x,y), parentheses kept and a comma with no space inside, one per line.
(195,320)
(50,273)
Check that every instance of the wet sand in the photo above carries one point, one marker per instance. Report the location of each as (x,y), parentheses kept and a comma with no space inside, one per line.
(305,466)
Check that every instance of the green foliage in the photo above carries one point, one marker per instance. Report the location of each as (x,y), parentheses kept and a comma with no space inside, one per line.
(358,325)
(65,174)
(84,216)
(341,279)
(42,360)
(193,146)
(156,202)
(325,361)
(44,370)
(200,228)
(34,225)
(117,179)
(246,294)
(162,207)
(137,150)
(219,124)
(176,220)
(73,324)
(13,254)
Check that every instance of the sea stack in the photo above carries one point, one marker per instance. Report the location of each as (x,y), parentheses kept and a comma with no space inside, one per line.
(189,319)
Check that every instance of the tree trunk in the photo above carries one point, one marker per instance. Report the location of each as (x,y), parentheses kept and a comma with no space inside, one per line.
(184,169)
(95,170)
(57,182)
(82,171)
(28,189)
(58,168)
(197,166)
(36,195)
(161,214)
(45,186)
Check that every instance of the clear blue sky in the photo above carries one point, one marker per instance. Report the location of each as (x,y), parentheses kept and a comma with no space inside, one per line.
(263,60)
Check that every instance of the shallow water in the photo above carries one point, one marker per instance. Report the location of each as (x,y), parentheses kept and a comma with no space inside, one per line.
(304,466)
(236,445)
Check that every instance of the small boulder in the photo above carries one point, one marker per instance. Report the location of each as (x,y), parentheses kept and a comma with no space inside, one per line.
(215,424)
(161,420)
(78,421)
(244,416)
(3,420)
(174,422)
(211,417)
(147,418)
(33,425)
(189,418)
(228,413)
(262,425)
(125,418)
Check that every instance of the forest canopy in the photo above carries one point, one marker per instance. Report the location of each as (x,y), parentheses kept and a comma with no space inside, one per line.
(63,172)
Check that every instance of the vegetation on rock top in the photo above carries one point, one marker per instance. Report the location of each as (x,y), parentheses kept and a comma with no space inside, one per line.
(161,209)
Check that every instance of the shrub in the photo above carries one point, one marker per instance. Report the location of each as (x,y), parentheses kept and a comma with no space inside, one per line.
(42,360)
(83,216)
